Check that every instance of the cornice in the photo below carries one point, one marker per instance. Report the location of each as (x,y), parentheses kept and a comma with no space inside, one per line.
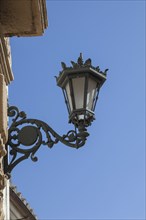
(5,61)
(23,18)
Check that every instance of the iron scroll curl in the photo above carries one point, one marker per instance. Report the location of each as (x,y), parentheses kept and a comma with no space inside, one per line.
(25,137)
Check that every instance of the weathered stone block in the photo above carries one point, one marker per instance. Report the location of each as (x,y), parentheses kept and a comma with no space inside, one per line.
(5,60)
(3,110)
(3,151)
(23,17)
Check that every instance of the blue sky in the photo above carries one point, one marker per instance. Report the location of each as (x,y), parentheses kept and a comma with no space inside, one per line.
(106,178)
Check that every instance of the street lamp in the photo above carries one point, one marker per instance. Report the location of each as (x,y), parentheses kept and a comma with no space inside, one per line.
(80,84)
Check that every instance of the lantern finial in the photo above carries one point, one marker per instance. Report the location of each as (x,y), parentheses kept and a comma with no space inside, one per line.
(80,60)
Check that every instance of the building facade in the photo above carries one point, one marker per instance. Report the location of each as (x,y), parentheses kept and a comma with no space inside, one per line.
(17,18)
(19,207)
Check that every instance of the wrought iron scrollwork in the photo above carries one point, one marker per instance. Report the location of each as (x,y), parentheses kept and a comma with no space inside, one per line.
(27,135)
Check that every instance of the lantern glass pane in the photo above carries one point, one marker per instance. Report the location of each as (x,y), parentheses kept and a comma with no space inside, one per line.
(81,117)
(91,93)
(66,100)
(69,96)
(78,88)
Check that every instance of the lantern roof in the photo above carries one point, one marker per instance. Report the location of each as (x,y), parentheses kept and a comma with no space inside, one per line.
(81,67)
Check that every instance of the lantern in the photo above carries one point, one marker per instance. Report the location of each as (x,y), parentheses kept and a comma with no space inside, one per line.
(81,84)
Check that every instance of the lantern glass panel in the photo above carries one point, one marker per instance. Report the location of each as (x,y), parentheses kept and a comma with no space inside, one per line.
(92,84)
(67,89)
(78,88)
(81,117)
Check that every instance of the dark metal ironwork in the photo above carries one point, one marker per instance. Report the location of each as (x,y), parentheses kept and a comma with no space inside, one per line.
(81,64)
(27,135)
(87,72)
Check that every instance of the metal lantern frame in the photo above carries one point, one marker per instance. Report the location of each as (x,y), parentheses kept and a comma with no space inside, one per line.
(27,135)
(87,72)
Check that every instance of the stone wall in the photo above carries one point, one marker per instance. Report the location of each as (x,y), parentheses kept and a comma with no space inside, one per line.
(23,18)
(6,76)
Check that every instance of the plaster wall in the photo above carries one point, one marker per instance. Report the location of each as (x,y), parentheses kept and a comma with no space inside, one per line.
(6,201)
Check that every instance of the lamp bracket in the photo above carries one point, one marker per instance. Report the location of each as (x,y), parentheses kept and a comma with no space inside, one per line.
(25,136)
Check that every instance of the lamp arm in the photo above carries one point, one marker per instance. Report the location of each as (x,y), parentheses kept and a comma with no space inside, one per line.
(25,136)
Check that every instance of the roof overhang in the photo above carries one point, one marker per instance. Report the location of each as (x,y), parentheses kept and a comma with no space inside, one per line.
(23,18)
(19,208)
